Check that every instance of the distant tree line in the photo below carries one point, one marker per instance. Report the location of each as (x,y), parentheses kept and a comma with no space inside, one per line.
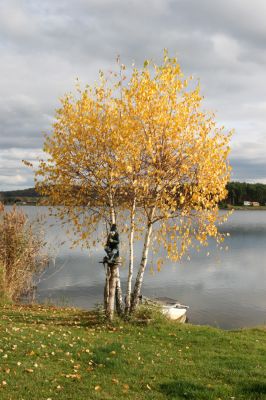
(238,192)
(31,192)
(16,196)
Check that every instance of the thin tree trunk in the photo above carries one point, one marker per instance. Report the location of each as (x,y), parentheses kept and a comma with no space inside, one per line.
(113,286)
(112,208)
(112,290)
(106,288)
(131,257)
(143,263)
(119,295)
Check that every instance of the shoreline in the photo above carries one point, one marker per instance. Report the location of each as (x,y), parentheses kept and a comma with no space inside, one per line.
(244,208)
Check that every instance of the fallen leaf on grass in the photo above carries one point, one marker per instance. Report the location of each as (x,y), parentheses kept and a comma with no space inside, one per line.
(73,376)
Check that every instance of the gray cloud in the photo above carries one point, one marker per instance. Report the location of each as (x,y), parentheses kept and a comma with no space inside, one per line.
(45,45)
(246,170)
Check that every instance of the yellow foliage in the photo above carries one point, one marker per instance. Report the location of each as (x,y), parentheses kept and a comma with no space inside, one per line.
(145,137)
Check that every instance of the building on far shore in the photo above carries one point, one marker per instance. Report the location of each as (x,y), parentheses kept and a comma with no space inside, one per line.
(251,203)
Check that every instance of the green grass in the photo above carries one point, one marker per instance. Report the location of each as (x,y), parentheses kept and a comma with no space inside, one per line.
(51,353)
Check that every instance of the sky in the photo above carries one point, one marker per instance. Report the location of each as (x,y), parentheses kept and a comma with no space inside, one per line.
(46,44)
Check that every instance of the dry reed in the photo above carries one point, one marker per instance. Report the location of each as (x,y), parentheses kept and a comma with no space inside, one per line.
(22,254)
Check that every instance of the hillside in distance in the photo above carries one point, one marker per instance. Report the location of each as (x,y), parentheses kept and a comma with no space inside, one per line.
(238,192)
(27,196)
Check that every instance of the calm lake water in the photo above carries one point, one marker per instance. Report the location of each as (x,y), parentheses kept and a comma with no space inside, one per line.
(226,289)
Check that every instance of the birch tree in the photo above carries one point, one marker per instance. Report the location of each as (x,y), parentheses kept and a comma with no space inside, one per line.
(81,177)
(138,142)
(181,169)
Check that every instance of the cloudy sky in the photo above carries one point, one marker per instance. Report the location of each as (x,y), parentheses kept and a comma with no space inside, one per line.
(46,44)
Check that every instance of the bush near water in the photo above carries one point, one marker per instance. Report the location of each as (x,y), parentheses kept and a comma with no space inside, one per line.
(21,253)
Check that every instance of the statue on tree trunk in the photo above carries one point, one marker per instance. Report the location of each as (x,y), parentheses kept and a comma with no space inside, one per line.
(112,247)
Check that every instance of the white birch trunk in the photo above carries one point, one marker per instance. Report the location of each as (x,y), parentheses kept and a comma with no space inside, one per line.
(112,208)
(131,257)
(113,286)
(106,288)
(119,295)
(143,264)
(112,290)
(111,273)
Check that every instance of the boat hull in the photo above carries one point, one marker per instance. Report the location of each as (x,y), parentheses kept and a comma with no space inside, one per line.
(175,314)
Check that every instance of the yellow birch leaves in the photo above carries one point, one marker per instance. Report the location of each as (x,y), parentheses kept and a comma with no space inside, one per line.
(143,134)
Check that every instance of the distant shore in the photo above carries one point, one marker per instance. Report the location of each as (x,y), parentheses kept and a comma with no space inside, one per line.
(228,207)
(244,208)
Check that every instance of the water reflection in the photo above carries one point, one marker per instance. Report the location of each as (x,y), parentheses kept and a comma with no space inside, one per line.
(226,289)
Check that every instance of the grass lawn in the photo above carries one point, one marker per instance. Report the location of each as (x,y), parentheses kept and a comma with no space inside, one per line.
(50,353)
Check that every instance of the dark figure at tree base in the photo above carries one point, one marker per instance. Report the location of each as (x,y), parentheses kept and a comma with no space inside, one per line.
(112,247)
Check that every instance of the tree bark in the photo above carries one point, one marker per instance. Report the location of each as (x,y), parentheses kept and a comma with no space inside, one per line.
(119,295)
(131,258)
(112,289)
(112,208)
(113,292)
(143,263)
(106,288)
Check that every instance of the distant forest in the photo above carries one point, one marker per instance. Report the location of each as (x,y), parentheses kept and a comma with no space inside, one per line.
(31,192)
(29,196)
(238,192)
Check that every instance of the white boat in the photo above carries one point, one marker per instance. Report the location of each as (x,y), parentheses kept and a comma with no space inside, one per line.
(175,313)
(169,307)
